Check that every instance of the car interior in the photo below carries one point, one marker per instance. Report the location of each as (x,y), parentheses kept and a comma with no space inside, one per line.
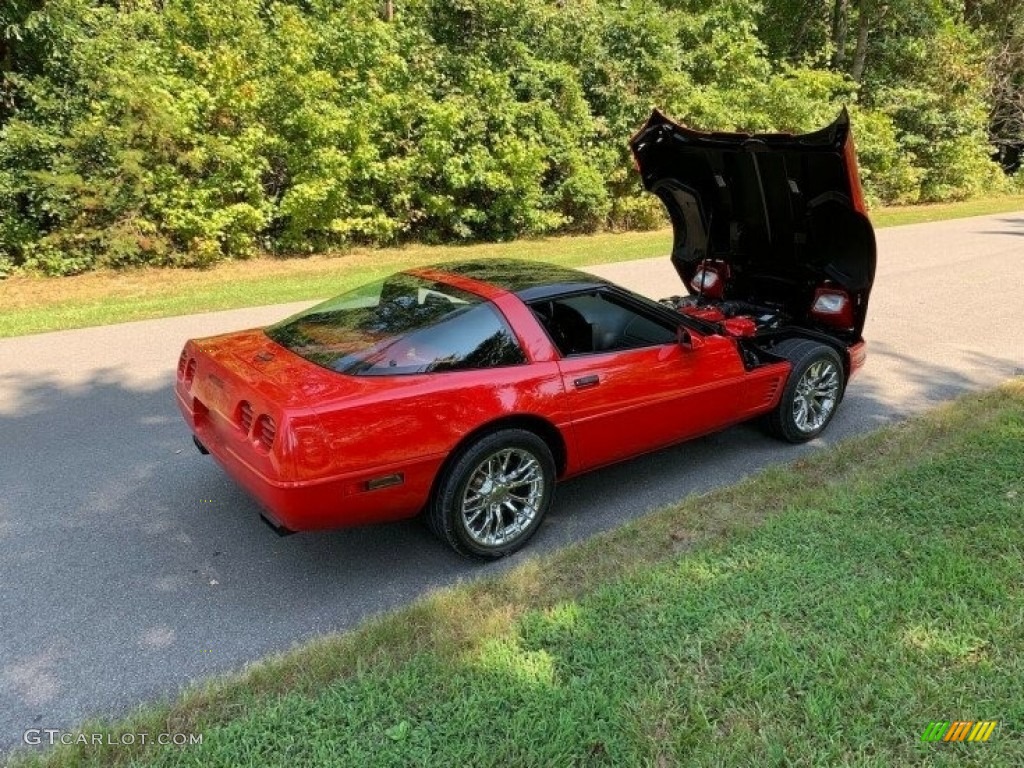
(591,323)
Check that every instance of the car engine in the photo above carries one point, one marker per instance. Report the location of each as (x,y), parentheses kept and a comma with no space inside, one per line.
(737,318)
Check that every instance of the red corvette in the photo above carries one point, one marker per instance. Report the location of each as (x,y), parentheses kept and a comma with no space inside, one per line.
(464,391)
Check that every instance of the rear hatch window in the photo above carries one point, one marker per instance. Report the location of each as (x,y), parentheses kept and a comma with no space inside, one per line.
(402,325)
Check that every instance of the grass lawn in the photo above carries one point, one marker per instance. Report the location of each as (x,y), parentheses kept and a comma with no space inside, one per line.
(822,613)
(36,304)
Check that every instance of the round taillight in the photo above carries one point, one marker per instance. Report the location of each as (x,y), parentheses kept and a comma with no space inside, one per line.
(265,431)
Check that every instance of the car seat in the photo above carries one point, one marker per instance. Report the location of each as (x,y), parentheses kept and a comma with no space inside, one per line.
(571,332)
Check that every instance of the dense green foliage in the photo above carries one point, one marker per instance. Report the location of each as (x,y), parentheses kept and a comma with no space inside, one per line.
(185,131)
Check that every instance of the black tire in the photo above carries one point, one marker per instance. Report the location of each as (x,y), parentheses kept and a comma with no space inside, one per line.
(795,419)
(450,512)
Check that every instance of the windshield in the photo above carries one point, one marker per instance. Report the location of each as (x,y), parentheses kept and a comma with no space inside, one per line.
(401,325)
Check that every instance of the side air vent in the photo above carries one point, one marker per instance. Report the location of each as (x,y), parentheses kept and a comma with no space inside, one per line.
(245,416)
(190,371)
(771,390)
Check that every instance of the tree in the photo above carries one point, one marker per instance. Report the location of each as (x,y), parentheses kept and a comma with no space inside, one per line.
(19,20)
(1007,118)
(839,25)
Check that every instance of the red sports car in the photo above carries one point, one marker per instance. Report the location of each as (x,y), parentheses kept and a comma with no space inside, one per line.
(464,391)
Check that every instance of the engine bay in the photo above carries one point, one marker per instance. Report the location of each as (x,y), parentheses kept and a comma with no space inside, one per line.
(740,319)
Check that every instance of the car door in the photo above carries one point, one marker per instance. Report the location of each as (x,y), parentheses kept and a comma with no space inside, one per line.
(631,386)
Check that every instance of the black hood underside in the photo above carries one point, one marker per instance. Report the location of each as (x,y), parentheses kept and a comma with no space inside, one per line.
(784,211)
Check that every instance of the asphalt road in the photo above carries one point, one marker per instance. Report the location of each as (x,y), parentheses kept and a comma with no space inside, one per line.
(130,565)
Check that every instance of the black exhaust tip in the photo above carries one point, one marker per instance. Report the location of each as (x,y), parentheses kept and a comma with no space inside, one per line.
(276,527)
(202,448)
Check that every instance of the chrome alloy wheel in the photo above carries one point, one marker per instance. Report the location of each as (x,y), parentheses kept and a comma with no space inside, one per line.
(503,497)
(816,395)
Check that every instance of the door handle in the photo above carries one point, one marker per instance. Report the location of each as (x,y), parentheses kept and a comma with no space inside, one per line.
(587,381)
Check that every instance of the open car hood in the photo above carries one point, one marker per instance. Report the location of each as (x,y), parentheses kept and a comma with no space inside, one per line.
(784,212)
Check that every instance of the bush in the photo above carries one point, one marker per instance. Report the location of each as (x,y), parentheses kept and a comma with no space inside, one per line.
(888,171)
(183,132)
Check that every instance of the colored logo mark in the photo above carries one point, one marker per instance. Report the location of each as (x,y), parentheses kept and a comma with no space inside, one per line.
(959,730)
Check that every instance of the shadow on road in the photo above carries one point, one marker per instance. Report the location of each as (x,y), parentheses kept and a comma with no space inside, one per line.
(1014,226)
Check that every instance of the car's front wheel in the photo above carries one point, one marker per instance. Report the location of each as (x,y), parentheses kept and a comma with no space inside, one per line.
(493,496)
(812,394)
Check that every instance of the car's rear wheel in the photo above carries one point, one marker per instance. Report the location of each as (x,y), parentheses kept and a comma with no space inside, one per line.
(493,496)
(812,394)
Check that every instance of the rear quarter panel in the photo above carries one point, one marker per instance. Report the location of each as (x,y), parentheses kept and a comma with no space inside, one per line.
(421,416)
(409,426)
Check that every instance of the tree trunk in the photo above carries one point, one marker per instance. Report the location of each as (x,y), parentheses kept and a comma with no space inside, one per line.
(796,44)
(860,53)
(971,15)
(839,33)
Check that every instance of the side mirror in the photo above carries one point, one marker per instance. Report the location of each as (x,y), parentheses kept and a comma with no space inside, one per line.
(689,340)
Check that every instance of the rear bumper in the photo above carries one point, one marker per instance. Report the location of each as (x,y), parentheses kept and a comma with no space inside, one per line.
(324,502)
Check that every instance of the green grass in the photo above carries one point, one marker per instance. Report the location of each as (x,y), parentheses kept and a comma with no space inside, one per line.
(37,304)
(817,614)
(919,214)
